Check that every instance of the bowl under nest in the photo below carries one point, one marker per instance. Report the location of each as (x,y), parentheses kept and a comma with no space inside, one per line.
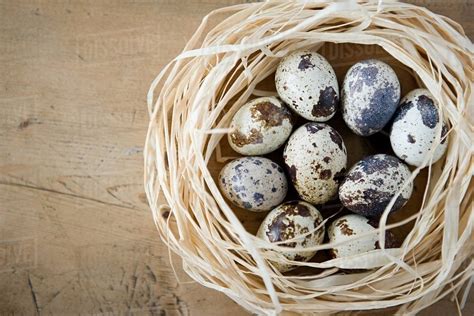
(231,58)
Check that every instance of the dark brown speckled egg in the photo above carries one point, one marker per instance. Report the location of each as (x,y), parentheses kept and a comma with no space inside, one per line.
(293,221)
(371,183)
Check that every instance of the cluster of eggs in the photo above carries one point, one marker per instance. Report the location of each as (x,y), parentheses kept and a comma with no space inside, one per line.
(316,157)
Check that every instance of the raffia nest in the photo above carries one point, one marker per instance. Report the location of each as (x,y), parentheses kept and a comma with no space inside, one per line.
(193,99)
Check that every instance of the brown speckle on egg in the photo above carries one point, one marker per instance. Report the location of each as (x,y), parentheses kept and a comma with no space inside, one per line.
(270,114)
(305,62)
(240,140)
(292,221)
(260,126)
(345,229)
(327,103)
(427,109)
(292,171)
(308,84)
(325,174)
(314,153)
(339,176)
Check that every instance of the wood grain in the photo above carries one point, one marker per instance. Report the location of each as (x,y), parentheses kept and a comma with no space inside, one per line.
(76,234)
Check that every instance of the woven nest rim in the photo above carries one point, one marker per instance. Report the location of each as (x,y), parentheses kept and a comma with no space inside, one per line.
(186,102)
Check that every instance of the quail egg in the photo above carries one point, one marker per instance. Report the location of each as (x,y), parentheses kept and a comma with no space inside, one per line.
(370,94)
(415,127)
(307,83)
(260,126)
(371,183)
(316,159)
(349,226)
(293,221)
(254,183)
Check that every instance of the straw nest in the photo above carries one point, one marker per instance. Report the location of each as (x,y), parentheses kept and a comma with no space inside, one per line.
(224,64)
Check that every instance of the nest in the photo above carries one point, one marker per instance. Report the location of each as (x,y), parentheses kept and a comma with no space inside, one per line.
(232,58)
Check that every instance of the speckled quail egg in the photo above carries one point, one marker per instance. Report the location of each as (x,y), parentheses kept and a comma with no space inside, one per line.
(288,221)
(370,94)
(415,127)
(260,126)
(253,183)
(349,226)
(316,159)
(307,83)
(371,183)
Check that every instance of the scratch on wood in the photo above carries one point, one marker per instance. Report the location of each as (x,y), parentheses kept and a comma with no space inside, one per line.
(54,296)
(123,275)
(134,284)
(114,189)
(68,194)
(24,124)
(173,305)
(33,295)
(151,274)
(133,150)
(182,306)
(64,184)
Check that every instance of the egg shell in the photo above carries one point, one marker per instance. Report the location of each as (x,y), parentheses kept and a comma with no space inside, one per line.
(307,83)
(349,226)
(415,127)
(372,182)
(391,241)
(288,221)
(254,183)
(370,94)
(260,126)
(316,159)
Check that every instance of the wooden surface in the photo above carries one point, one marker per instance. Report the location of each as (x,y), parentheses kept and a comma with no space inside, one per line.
(76,234)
